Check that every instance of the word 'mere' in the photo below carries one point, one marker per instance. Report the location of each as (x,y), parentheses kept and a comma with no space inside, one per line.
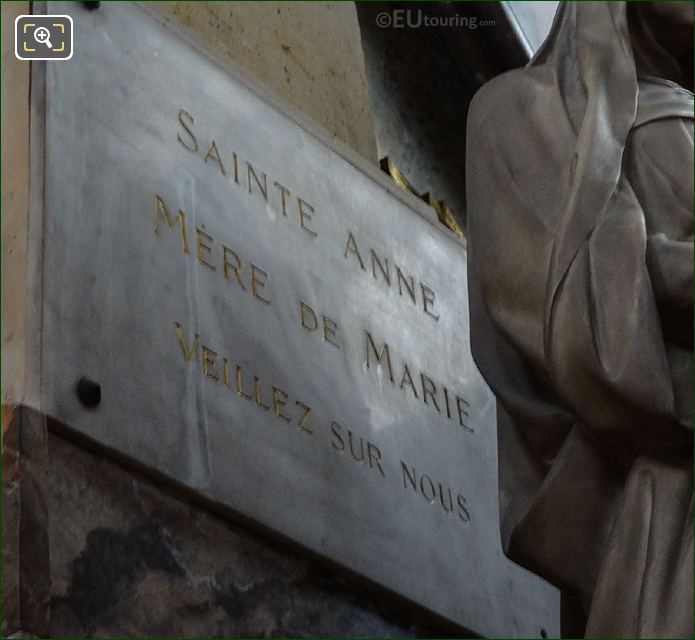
(248,276)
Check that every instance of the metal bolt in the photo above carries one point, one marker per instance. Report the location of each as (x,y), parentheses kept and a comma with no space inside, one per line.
(88,392)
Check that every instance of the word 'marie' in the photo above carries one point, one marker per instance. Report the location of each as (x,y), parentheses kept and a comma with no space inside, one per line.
(244,174)
(421,388)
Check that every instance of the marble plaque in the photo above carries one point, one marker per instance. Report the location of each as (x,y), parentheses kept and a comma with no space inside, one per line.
(271,322)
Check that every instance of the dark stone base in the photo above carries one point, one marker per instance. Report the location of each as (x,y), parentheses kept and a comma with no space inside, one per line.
(25,530)
(130,556)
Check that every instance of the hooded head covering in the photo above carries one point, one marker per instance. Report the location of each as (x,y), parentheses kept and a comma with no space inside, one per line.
(544,169)
(592,49)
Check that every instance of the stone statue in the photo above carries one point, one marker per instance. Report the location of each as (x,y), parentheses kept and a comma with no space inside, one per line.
(580,234)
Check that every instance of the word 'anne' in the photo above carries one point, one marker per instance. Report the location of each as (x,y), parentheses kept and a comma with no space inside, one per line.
(391,274)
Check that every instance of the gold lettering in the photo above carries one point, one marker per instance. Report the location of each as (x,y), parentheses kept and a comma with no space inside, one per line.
(225,363)
(203,237)
(258,283)
(160,211)
(446,401)
(329,327)
(209,362)
(257,389)
(441,498)
(428,389)
(239,389)
(374,456)
(352,448)
(310,322)
(410,288)
(335,430)
(188,352)
(463,511)
(427,300)
(226,252)
(463,412)
(430,498)
(384,351)
(407,379)
(279,400)
(384,271)
(283,192)
(305,217)
(305,417)
(189,117)
(235,166)
(250,171)
(305,307)
(215,156)
(351,247)
(411,477)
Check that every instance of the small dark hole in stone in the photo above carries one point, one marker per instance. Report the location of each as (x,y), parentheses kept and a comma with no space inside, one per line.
(88,392)
(91,4)
(544,633)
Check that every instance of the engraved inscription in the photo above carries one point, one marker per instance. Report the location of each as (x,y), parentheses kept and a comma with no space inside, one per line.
(416,384)
(242,381)
(391,276)
(242,173)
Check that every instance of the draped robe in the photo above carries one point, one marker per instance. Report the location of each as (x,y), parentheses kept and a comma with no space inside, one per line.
(580,266)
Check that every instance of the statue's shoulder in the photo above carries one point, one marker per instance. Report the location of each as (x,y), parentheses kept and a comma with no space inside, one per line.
(659,99)
(504,98)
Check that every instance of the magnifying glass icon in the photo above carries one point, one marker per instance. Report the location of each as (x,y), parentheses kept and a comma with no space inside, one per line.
(43,36)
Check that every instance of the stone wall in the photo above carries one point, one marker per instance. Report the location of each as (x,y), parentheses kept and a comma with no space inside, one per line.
(15,207)
(308,53)
(97,549)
